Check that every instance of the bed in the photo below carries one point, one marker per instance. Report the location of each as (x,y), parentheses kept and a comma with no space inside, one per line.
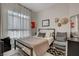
(36,45)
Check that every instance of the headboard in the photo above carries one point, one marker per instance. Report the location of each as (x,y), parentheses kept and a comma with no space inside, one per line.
(50,30)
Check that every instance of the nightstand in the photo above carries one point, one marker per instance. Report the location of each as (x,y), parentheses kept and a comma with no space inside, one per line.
(1,48)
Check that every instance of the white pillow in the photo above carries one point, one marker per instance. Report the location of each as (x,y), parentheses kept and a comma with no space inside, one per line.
(47,34)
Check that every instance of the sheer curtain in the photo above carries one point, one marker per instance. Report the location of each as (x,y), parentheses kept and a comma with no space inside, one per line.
(15,21)
(18,24)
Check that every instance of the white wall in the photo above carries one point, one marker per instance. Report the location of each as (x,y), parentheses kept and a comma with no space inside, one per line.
(58,10)
(73,9)
(35,17)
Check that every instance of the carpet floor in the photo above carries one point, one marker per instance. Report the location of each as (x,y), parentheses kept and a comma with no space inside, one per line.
(56,52)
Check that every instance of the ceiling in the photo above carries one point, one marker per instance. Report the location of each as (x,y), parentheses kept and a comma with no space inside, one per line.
(37,7)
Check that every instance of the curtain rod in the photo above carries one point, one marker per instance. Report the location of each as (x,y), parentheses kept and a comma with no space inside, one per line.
(24,7)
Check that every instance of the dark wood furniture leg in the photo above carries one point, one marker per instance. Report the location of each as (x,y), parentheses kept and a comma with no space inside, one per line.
(15,44)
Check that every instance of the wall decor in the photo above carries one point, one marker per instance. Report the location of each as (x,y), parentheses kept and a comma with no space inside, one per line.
(46,23)
(56,20)
(64,20)
(59,24)
(33,24)
(72,24)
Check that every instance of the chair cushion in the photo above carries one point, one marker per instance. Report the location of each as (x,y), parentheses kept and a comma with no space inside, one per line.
(60,43)
(61,47)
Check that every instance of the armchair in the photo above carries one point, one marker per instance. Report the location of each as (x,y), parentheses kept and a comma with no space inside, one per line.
(60,41)
(7,45)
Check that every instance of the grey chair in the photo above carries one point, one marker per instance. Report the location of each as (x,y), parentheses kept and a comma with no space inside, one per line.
(60,41)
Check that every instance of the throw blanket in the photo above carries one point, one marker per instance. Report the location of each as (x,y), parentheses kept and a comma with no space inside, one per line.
(41,48)
(39,45)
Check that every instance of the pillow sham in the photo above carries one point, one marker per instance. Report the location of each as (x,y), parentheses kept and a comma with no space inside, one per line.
(41,34)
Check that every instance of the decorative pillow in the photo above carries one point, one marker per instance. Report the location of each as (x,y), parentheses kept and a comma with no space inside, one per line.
(41,34)
(47,34)
(52,34)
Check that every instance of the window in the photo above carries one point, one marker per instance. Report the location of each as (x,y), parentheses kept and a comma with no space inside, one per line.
(18,25)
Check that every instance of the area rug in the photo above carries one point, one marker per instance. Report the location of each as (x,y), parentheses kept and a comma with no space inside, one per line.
(56,52)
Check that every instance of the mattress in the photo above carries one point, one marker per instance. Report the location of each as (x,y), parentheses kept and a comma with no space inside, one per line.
(50,39)
(34,41)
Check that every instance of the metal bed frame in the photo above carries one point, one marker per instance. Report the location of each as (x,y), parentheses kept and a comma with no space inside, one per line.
(31,49)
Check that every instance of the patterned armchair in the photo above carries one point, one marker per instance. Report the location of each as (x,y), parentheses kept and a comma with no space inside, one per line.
(60,41)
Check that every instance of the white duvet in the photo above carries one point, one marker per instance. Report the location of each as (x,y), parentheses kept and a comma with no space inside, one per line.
(50,40)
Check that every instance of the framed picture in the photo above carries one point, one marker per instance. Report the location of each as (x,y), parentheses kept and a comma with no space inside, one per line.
(45,23)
